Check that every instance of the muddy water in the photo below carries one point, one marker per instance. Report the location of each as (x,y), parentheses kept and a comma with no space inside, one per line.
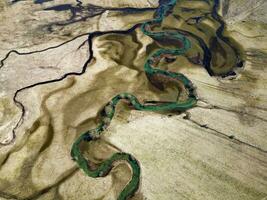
(211,47)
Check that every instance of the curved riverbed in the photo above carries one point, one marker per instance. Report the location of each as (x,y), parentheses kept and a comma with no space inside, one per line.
(200,39)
